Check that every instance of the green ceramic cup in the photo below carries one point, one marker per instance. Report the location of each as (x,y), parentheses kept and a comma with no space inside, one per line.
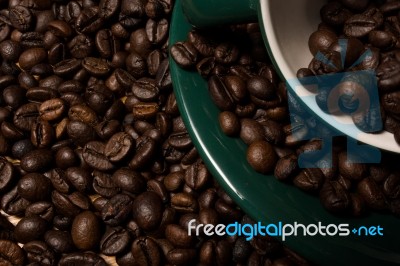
(263,197)
(287,26)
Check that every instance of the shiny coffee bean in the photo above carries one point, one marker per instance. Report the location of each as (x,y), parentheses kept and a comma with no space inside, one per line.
(86,230)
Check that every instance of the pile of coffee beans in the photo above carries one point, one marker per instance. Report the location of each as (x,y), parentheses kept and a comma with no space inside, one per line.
(365,25)
(96,166)
(254,107)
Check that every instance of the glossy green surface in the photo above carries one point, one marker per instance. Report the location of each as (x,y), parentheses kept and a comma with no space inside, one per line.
(262,197)
(216,12)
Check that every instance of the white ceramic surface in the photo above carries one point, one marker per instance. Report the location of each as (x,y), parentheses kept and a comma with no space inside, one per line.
(288,25)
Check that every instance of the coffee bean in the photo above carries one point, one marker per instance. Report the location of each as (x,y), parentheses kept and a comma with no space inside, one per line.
(108,8)
(145,150)
(39,252)
(82,258)
(12,203)
(106,43)
(59,241)
(372,194)
(67,67)
(139,42)
(184,202)
(184,54)
(11,253)
(36,160)
(261,156)
(146,251)
(334,14)
(178,236)
(89,20)
(196,176)
(96,66)
(42,134)
(21,18)
(115,241)
(321,40)
(147,210)
(309,179)
(30,228)
(79,178)
(32,57)
(220,94)
(34,187)
(81,46)
(116,210)
(128,180)
(42,209)
(86,230)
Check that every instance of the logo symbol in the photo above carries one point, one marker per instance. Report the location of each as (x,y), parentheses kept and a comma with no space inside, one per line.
(349,98)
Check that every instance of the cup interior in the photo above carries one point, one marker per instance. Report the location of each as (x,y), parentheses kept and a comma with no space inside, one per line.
(288,25)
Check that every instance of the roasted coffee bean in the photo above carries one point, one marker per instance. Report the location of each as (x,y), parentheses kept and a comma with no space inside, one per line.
(147,210)
(115,241)
(51,110)
(139,42)
(184,202)
(178,236)
(387,76)
(196,176)
(89,20)
(119,146)
(80,178)
(220,94)
(38,252)
(261,156)
(108,8)
(116,210)
(184,54)
(128,180)
(32,57)
(30,228)
(86,230)
(334,14)
(34,187)
(106,43)
(309,179)
(226,53)
(82,258)
(80,132)
(67,67)
(12,203)
(145,150)
(42,209)
(103,185)
(9,131)
(321,40)
(372,194)
(360,25)
(66,157)
(96,66)
(93,154)
(42,134)
(349,169)
(157,30)
(83,113)
(11,253)
(7,174)
(81,46)
(251,131)
(146,251)
(59,241)
(36,160)
(10,50)
(21,18)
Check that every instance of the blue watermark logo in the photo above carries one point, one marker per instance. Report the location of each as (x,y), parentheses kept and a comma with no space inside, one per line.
(351,95)
(283,231)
